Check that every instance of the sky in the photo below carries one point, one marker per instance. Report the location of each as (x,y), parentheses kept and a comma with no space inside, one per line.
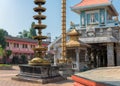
(17,15)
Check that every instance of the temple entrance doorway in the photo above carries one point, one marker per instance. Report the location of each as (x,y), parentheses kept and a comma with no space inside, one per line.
(97,55)
(77,55)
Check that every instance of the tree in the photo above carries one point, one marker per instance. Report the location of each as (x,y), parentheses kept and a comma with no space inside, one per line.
(1,51)
(3,33)
(32,30)
(20,35)
(24,34)
(23,59)
(8,53)
(6,56)
(28,34)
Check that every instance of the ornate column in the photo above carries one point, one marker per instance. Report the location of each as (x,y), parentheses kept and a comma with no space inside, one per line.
(77,59)
(110,54)
(63,29)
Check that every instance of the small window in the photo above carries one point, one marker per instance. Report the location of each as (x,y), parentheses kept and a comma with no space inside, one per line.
(31,46)
(17,45)
(23,46)
(14,45)
(7,44)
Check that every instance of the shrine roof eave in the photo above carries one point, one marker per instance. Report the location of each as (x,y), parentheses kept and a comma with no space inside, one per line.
(109,39)
(75,44)
(81,8)
(80,47)
(114,10)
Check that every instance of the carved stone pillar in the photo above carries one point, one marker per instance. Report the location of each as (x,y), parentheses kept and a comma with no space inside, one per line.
(118,54)
(110,54)
(86,55)
(77,59)
(55,58)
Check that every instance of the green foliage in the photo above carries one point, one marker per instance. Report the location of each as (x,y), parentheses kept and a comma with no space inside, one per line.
(3,33)
(32,30)
(1,51)
(1,65)
(8,53)
(28,34)
(23,59)
(24,34)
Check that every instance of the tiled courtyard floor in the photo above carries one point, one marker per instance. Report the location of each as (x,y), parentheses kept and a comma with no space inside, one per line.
(5,80)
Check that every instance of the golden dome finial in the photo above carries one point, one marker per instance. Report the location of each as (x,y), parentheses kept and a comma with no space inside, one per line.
(73,32)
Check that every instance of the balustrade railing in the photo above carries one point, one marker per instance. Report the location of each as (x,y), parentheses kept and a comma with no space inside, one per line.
(96,32)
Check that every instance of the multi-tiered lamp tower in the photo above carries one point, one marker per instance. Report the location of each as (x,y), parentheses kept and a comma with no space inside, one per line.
(39,60)
(39,70)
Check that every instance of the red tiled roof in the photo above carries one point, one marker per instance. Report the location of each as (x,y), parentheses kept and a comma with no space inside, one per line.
(19,51)
(25,40)
(91,2)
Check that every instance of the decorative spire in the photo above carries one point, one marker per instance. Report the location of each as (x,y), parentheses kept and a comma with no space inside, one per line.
(63,40)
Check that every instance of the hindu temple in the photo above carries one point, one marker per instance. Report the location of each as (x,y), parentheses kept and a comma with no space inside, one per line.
(99,27)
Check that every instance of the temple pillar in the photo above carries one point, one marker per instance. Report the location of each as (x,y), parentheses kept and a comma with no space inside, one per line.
(118,54)
(55,57)
(77,59)
(86,55)
(110,54)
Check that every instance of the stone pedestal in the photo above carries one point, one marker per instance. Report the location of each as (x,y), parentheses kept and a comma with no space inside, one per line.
(66,70)
(110,54)
(39,74)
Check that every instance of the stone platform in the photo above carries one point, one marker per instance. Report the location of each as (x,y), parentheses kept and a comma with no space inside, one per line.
(106,76)
(39,74)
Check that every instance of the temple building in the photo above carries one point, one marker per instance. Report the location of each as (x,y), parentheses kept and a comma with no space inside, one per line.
(22,46)
(99,28)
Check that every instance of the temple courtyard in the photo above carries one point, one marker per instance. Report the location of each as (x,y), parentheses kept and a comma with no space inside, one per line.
(5,80)
(106,75)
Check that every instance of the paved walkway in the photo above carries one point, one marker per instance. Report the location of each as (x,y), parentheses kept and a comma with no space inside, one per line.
(5,80)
